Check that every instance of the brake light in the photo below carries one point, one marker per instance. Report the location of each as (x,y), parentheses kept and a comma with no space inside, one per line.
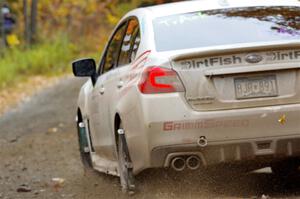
(160,80)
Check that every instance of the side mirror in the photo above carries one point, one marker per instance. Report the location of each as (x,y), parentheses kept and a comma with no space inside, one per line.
(84,68)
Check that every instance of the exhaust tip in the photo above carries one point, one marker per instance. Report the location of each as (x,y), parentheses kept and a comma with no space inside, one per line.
(193,162)
(178,164)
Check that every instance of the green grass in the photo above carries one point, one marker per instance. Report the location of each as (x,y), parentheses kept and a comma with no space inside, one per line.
(49,58)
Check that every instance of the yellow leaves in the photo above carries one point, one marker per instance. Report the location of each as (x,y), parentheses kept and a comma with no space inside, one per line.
(91,7)
(12,40)
(112,19)
(118,9)
(62,12)
(87,20)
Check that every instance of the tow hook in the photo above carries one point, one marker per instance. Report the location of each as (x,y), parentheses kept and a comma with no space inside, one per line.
(121,131)
(202,141)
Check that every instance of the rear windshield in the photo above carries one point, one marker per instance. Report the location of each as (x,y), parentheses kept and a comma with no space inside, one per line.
(226,26)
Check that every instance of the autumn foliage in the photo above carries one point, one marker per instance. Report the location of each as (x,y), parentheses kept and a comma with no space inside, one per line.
(84,21)
(87,22)
(65,30)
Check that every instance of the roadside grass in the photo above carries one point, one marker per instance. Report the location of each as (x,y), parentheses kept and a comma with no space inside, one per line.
(52,57)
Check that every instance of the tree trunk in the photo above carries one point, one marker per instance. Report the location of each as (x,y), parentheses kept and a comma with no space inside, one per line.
(33,24)
(26,23)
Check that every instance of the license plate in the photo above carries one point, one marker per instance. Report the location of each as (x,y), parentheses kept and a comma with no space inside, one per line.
(256,87)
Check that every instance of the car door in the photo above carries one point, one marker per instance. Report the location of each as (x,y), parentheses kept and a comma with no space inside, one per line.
(127,56)
(115,83)
(104,88)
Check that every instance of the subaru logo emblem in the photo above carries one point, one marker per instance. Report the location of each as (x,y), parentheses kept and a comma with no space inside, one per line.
(253,58)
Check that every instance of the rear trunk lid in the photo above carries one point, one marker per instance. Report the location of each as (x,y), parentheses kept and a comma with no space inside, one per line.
(240,76)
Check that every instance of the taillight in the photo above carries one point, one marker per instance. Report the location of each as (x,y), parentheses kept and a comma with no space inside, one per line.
(160,80)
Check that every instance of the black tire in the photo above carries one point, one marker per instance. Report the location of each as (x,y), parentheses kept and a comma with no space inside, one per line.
(83,143)
(285,169)
(125,165)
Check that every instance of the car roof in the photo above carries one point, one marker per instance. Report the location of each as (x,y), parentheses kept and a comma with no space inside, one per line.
(198,5)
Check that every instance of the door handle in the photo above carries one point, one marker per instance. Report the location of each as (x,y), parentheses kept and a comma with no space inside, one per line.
(120,84)
(101,91)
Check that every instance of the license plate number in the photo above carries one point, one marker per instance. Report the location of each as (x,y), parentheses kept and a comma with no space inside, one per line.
(256,87)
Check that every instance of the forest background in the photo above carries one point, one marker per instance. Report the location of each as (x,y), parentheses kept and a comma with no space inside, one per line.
(52,33)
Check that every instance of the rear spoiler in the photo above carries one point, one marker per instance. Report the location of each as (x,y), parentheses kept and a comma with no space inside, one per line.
(238,48)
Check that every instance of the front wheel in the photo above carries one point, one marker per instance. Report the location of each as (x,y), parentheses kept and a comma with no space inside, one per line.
(125,164)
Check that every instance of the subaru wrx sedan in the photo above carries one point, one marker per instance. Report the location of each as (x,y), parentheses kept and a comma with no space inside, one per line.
(193,84)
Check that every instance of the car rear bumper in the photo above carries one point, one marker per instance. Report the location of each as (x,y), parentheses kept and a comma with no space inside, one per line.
(163,125)
(273,149)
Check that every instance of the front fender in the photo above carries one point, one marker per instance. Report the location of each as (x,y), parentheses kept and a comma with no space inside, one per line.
(82,102)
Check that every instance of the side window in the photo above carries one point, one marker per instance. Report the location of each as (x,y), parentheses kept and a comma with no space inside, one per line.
(113,50)
(129,42)
(135,44)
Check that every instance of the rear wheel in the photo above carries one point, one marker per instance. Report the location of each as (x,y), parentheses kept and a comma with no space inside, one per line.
(125,164)
(285,168)
(84,146)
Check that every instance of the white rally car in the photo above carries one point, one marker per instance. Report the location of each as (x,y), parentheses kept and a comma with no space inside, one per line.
(192,84)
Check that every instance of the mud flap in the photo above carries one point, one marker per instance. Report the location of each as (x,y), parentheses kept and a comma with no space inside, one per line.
(83,141)
(129,178)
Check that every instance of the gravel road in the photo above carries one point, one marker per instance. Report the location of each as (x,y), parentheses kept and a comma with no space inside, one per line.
(38,143)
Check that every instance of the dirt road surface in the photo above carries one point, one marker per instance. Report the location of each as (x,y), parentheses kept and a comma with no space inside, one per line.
(38,143)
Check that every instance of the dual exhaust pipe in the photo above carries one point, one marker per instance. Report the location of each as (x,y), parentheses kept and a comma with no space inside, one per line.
(192,162)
